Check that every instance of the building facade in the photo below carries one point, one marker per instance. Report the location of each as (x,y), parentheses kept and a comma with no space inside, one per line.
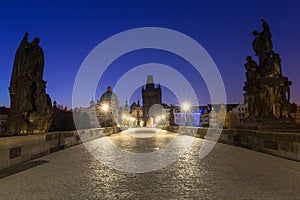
(151,94)
(136,112)
(108,108)
(87,117)
(238,115)
(190,118)
(204,117)
(213,118)
(218,115)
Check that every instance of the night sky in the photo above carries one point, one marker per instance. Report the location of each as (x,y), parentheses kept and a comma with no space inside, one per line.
(69,30)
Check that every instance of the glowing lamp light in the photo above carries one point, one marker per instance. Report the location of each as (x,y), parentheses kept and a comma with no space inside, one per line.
(105,107)
(158,118)
(186,106)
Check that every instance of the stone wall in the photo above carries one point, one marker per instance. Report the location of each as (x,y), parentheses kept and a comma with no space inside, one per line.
(282,144)
(18,149)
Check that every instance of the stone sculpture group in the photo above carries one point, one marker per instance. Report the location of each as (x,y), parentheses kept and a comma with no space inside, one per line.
(267,91)
(31,107)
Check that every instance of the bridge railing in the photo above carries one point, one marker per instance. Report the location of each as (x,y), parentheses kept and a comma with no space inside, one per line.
(17,149)
(282,144)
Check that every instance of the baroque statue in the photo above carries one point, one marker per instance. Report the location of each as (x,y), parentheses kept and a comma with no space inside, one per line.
(267,91)
(31,107)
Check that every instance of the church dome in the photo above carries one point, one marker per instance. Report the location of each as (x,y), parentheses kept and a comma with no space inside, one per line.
(109,95)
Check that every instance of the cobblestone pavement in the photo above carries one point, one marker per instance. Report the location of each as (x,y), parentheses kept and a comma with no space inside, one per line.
(228,172)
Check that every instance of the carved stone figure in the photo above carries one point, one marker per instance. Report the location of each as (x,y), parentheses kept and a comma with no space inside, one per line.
(31,107)
(276,63)
(251,67)
(262,43)
(268,92)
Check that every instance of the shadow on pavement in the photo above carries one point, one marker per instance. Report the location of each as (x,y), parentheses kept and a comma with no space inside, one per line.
(20,167)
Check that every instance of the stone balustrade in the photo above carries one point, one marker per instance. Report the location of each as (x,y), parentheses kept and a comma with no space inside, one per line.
(18,149)
(282,144)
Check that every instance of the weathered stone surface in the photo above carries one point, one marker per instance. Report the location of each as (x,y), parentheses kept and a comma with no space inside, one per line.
(31,107)
(227,172)
(267,91)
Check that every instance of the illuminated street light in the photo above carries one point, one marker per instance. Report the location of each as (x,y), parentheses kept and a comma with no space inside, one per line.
(124,117)
(105,108)
(157,119)
(132,119)
(185,107)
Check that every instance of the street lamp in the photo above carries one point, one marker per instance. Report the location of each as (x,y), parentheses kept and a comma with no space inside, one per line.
(132,119)
(105,108)
(185,107)
(124,117)
(157,120)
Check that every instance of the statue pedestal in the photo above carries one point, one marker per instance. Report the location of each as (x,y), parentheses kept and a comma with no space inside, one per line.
(278,125)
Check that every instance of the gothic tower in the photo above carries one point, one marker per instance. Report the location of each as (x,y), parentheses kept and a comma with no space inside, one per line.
(151,95)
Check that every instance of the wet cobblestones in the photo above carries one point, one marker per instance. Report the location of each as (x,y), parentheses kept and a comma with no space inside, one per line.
(226,173)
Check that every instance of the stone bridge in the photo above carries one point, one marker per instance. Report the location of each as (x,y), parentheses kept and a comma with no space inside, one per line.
(111,167)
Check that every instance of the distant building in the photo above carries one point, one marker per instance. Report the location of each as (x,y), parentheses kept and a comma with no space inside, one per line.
(190,118)
(217,115)
(222,117)
(136,112)
(110,116)
(213,118)
(166,115)
(151,95)
(123,113)
(62,119)
(3,118)
(204,117)
(224,111)
(238,115)
(126,108)
(87,117)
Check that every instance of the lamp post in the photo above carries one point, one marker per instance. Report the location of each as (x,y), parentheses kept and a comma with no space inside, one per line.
(185,107)
(124,118)
(157,120)
(105,108)
(163,117)
(132,119)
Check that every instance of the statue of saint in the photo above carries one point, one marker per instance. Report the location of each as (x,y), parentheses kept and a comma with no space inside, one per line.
(36,60)
(262,44)
(251,67)
(276,63)
(284,99)
(267,91)
(20,59)
(31,107)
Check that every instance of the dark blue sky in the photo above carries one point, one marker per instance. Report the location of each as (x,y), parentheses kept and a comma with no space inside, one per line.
(69,30)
